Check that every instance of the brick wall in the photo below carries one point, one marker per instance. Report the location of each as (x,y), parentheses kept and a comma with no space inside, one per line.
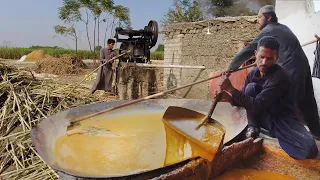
(189,44)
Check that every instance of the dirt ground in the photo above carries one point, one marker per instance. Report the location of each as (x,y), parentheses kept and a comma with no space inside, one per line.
(75,79)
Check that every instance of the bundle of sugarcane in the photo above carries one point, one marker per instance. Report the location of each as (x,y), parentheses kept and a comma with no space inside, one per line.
(66,64)
(25,101)
(4,69)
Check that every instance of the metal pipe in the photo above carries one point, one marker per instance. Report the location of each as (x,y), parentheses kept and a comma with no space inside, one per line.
(169,66)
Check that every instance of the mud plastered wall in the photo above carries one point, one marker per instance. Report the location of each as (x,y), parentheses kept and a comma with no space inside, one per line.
(136,82)
(189,44)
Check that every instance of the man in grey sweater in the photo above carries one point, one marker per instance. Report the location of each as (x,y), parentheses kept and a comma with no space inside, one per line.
(292,59)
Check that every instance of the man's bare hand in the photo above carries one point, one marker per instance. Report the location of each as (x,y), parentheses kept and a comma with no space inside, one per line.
(225,97)
(225,84)
(226,72)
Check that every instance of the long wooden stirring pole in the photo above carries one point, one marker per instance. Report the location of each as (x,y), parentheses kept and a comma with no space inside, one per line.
(310,42)
(75,122)
(313,41)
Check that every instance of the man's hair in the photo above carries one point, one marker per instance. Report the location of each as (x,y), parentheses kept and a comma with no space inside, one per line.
(273,16)
(269,42)
(111,41)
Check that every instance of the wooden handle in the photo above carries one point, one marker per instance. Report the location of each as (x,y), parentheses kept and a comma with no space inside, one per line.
(215,102)
(313,41)
(156,95)
(310,42)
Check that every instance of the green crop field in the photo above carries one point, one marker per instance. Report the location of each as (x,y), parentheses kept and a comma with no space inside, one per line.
(17,53)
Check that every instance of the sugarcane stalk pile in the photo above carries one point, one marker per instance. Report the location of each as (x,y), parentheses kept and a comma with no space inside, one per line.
(24,102)
(66,64)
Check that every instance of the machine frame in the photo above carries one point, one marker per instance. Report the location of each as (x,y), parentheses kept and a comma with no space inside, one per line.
(139,42)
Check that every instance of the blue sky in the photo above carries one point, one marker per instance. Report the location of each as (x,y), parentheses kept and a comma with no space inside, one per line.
(30,22)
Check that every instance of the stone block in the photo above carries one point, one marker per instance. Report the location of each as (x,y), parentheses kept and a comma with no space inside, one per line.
(136,82)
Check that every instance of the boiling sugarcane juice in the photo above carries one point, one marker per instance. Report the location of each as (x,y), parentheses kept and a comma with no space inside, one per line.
(136,142)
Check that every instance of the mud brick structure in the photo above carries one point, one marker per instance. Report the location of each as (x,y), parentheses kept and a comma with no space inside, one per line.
(136,82)
(189,44)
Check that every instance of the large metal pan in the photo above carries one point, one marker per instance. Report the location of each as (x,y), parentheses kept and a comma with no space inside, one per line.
(46,132)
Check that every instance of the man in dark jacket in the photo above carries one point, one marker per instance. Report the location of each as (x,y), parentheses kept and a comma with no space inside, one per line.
(268,102)
(105,73)
(292,59)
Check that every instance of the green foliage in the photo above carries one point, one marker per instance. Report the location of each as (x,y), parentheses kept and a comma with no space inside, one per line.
(98,48)
(265,2)
(75,10)
(222,3)
(69,32)
(14,53)
(62,30)
(123,15)
(45,47)
(69,11)
(220,8)
(85,11)
(17,53)
(160,48)
(158,55)
(183,11)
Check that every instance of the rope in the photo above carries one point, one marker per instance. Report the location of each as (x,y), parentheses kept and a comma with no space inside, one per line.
(316,65)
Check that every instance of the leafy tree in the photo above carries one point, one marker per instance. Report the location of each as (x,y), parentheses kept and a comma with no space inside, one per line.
(120,18)
(70,13)
(264,2)
(86,11)
(97,7)
(183,11)
(222,3)
(98,48)
(218,8)
(68,32)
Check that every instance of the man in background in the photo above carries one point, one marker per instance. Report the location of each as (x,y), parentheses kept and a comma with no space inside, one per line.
(105,73)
